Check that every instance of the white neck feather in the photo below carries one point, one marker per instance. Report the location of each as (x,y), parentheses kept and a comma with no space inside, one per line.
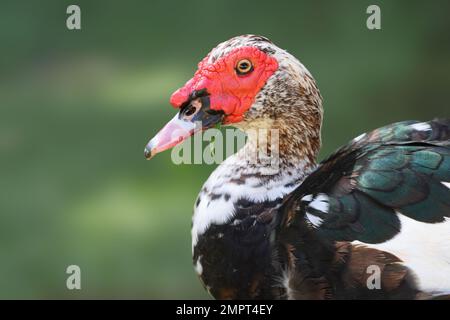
(237,178)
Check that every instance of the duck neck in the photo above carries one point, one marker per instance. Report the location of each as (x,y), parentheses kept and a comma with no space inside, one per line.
(278,155)
(275,146)
(285,151)
(242,180)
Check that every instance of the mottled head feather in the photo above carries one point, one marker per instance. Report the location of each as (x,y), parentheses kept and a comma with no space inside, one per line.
(290,101)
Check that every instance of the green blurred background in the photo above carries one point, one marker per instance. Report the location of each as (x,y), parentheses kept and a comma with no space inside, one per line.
(77,108)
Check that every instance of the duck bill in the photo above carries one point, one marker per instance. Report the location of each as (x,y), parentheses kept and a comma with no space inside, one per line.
(173,133)
(195,116)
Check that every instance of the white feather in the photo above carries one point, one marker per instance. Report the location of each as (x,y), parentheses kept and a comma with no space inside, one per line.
(425,249)
(421,126)
(320,203)
(315,220)
(358,138)
(198,266)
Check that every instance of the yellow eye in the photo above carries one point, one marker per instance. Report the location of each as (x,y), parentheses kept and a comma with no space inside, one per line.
(244,66)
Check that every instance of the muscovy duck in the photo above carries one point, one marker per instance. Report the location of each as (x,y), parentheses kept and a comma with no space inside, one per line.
(310,231)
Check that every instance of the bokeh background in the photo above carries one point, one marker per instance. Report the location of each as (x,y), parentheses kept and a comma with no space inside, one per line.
(77,108)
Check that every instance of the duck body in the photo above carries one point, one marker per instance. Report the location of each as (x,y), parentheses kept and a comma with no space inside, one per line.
(372,221)
(369,204)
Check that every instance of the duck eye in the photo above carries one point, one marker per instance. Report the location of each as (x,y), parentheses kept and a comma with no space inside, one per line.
(243,67)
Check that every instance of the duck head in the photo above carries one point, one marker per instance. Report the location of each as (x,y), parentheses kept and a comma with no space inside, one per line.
(247,82)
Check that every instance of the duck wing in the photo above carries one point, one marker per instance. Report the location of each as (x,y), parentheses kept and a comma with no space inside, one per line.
(387,190)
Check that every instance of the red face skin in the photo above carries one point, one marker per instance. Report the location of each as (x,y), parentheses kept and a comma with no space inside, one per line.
(230,92)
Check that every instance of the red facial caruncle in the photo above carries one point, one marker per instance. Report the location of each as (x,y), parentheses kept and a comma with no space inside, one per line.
(229,90)
(230,85)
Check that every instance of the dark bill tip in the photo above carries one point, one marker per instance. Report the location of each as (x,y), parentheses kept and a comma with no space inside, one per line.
(147,154)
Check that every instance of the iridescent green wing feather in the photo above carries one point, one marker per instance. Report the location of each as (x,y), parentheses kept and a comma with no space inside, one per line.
(356,192)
